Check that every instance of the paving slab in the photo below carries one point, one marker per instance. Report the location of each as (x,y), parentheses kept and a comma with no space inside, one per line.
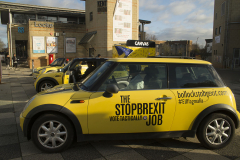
(232,151)
(202,153)
(54,156)
(180,145)
(8,129)
(7,121)
(9,139)
(156,151)
(110,147)
(127,155)
(28,148)
(81,152)
(10,151)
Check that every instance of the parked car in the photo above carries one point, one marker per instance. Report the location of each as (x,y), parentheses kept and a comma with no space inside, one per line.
(78,66)
(54,66)
(158,98)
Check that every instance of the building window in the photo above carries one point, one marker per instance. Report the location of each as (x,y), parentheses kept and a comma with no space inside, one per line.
(23,18)
(223,8)
(216,31)
(214,52)
(91,16)
(220,30)
(62,19)
(215,15)
(52,19)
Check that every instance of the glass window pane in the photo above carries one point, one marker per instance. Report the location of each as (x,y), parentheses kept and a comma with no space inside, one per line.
(136,76)
(192,76)
(236,53)
(72,20)
(62,19)
(42,18)
(52,19)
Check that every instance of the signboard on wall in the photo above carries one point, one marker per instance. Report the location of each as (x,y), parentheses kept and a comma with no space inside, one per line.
(71,45)
(38,44)
(122,20)
(217,39)
(52,44)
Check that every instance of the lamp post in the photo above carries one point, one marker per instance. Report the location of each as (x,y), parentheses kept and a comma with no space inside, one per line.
(64,49)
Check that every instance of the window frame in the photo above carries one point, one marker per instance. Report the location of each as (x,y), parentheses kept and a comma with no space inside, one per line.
(106,76)
(192,64)
(91,16)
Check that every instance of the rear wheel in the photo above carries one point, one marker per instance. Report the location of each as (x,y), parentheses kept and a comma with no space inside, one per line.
(52,133)
(46,85)
(216,131)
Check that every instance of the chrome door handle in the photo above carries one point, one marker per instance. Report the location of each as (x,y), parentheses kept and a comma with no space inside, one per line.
(164,98)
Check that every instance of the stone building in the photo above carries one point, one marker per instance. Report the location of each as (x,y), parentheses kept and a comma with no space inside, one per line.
(35,32)
(226,34)
(174,48)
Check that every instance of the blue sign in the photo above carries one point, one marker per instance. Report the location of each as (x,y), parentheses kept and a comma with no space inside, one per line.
(20,29)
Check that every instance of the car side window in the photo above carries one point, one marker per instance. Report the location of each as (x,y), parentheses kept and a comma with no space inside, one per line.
(137,76)
(192,76)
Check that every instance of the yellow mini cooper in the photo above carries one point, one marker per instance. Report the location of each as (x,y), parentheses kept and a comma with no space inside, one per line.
(157,98)
(77,67)
(54,66)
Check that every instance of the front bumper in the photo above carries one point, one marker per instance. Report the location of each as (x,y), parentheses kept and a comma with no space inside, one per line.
(35,75)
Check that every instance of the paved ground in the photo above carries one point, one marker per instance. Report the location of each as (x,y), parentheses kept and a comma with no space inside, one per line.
(18,87)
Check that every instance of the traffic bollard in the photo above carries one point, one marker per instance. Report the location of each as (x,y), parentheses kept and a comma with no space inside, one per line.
(32,66)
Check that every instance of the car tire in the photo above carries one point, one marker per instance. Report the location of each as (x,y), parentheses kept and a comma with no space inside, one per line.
(46,84)
(216,131)
(52,133)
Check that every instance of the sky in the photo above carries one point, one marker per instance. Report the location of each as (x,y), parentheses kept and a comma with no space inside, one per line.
(170,19)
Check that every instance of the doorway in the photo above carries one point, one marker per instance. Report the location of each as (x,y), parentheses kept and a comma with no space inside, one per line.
(21,49)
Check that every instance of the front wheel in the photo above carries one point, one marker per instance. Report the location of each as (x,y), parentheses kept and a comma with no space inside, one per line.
(45,85)
(52,133)
(216,131)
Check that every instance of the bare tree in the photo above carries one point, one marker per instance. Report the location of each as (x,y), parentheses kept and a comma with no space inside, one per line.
(2,45)
(150,37)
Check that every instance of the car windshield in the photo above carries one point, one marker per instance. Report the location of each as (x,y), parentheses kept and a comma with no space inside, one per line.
(57,62)
(93,77)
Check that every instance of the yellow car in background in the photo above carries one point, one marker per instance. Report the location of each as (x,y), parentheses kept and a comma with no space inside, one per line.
(54,66)
(158,98)
(76,67)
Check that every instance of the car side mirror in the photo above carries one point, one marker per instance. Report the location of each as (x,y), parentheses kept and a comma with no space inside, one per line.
(110,90)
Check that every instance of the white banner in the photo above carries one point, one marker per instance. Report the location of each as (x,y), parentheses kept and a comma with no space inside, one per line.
(71,45)
(52,44)
(122,20)
(217,39)
(38,44)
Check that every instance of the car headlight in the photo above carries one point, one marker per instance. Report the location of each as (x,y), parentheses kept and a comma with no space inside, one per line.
(36,71)
(43,70)
(28,103)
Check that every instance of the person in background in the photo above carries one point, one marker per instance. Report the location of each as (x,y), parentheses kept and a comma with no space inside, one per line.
(98,56)
(14,61)
(136,81)
(7,61)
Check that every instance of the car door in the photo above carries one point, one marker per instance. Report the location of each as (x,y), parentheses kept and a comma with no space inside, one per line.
(136,108)
(196,87)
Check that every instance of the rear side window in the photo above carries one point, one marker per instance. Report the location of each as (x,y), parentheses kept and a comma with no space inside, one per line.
(193,76)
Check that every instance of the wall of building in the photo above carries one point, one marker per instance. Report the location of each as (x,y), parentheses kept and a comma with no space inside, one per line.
(174,48)
(219,46)
(222,52)
(103,24)
(40,59)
